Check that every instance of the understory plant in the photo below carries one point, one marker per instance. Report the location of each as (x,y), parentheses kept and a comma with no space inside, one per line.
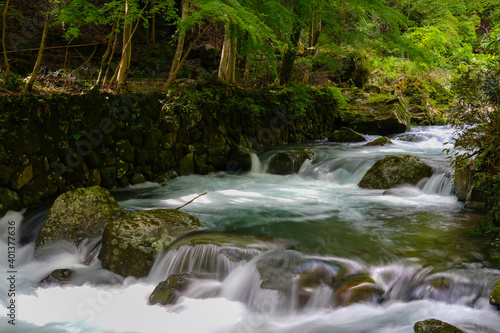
(477,118)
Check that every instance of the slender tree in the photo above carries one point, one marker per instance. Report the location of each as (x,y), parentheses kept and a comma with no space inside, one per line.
(4,48)
(127,46)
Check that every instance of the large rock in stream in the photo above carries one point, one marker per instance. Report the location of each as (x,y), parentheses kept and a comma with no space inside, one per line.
(288,163)
(384,117)
(346,134)
(130,244)
(435,326)
(395,170)
(80,214)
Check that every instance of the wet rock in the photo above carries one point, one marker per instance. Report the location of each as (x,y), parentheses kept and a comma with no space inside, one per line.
(169,291)
(495,295)
(412,137)
(80,214)
(276,269)
(346,134)
(59,276)
(289,162)
(137,178)
(395,170)
(230,239)
(130,244)
(356,290)
(435,326)
(469,190)
(382,141)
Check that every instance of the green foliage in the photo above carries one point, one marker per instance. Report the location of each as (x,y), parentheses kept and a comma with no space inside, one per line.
(477,116)
(12,82)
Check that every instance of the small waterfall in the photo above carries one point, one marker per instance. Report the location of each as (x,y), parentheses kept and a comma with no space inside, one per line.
(439,183)
(338,171)
(201,258)
(256,164)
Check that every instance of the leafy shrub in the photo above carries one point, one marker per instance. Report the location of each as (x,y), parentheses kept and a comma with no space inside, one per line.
(13,82)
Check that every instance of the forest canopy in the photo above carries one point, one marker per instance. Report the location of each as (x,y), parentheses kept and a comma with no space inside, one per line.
(95,44)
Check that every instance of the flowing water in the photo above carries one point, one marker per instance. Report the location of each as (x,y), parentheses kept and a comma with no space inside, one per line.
(362,260)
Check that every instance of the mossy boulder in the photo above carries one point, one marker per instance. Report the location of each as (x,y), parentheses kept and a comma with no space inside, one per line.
(346,134)
(388,116)
(382,141)
(435,326)
(289,162)
(495,295)
(79,214)
(395,170)
(130,244)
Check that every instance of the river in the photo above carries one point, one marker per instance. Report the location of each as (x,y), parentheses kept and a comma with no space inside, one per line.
(412,246)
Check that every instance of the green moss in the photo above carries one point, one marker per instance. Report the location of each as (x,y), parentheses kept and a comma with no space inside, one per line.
(140,236)
(495,295)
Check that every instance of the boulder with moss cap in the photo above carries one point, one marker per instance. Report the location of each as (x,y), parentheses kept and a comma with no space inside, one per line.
(80,214)
(130,244)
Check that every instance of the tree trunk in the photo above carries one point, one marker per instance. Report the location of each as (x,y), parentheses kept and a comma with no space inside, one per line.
(176,62)
(227,63)
(153,24)
(173,73)
(127,47)
(5,59)
(100,77)
(222,75)
(231,61)
(290,55)
(39,58)
(108,65)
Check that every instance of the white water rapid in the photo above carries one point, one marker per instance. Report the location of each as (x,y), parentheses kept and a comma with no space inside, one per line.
(363,261)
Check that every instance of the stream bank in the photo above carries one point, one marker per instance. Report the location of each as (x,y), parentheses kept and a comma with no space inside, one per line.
(51,144)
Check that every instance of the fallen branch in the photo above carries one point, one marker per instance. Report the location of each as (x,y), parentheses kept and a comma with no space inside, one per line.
(54,47)
(187,203)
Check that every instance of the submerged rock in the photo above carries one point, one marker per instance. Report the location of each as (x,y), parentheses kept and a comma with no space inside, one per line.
(80,214)
(289,162)
(404,191)
(346,134)
(435,326)
(495,295)
(169,291)
(59,276)
(230,239)
(130,244)
(395,170)
(356,290)
(382,141)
